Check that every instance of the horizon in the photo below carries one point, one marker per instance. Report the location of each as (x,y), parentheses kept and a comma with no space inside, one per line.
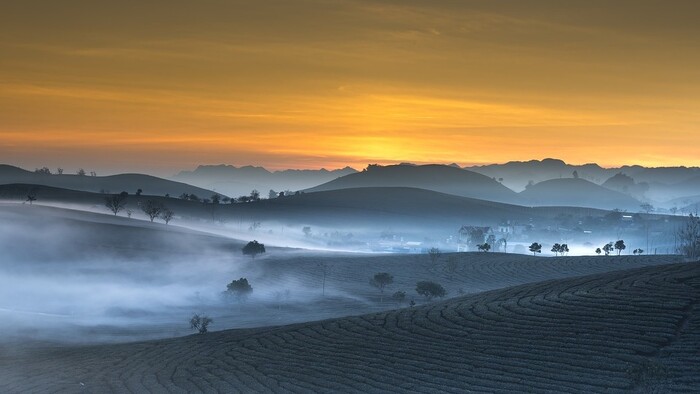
(345,83)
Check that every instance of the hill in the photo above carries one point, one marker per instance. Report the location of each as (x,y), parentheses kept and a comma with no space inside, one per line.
(579,193)
(238,181)
(439,178)
(634,330)
(130,183)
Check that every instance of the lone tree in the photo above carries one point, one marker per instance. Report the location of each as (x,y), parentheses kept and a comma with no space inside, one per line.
(116,202)
(535,248)
(638,251)
(563,248)
(689,237)
(380,280)
(31,197)
(399,297)
(240,289)
(152,209)
(485,247)
(324,267)
(167,215)
(620,246)
(253,248)
(200,323)
(430,289)
(598,251)
(434,254)
(607,248)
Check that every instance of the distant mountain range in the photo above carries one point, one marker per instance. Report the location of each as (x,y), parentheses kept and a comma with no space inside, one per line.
(129,183)
(237,181)
(577,193)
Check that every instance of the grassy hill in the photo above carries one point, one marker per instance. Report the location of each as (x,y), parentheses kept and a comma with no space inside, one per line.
(439,178)
(110,184)
(578,193)
(632,330)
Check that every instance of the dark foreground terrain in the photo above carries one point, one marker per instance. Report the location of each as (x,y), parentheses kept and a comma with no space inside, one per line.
(630,330)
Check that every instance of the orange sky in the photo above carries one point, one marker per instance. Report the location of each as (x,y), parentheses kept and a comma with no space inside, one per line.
(163,86)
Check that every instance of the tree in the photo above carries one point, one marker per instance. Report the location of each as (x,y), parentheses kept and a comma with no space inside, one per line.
(380,280)
(254,195)
(167,215)
(597,250)
(151,208)
(307,231)
(430,289)
(399,297)
(80,172)
(575,174)
(325,267)
(485,247)
(138,192)
(556,248)
(564,248)
(240,289)
(646,207)
(607,248)
(253,248)
(116,202)
(31,197)
(215,199)
(620,246)
(452,265)
(59,171)
(689,237)
(535,248)
(638,251)
(43,171)
(200,323)
(271,194)
(434,254)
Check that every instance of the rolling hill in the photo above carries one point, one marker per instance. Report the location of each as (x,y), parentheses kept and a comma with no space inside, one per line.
(439,178)
(632,330)
(130,183)
(238,181)
(578,193)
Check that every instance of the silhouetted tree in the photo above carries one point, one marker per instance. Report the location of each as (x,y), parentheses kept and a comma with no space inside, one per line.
(80,172)
(254,195)
(430,289)
(689,237)
(620,246)
(116,202)
(31,197)
(638,251)
(380,280)
(152,208)
(399,297)
(535,248)
(564,248)
(138,192)
(434,254)
(325,267)
(253,248)
(200,323)
(43,171)
(556,248)
(646,207)
(167,215)
(240,289)
(607,248)
(598,251)
(59,171)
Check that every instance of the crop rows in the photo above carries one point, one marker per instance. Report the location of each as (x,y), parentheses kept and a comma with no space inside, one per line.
(637,329)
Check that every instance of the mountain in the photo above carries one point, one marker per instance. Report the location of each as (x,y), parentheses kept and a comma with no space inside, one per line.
(687,188)
(130,183)
(626,185)
(578,193)
(238,181)
(439,178)
(634,330)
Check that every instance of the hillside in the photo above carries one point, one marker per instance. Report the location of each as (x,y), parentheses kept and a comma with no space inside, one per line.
(111,184)
(579,193)
(439,178)
(238,181)
(634,330)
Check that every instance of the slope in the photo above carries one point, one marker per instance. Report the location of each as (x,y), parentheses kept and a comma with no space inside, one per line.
(614,332)
(439,178)
(579,193)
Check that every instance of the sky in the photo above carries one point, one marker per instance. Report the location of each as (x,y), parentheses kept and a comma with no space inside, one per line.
(161,86)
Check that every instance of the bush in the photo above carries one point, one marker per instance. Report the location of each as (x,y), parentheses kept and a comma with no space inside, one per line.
(253,248)
(200,323)
(430,289)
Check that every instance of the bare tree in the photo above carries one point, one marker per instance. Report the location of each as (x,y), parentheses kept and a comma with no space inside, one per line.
(152,209)
(167,215)
(200,323)
(116,202)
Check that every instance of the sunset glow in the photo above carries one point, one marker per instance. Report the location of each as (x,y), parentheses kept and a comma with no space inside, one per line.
(306,84)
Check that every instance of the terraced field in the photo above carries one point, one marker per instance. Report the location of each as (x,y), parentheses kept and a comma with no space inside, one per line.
(636,329)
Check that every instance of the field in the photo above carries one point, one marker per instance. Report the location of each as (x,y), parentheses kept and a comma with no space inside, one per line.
(636,329)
